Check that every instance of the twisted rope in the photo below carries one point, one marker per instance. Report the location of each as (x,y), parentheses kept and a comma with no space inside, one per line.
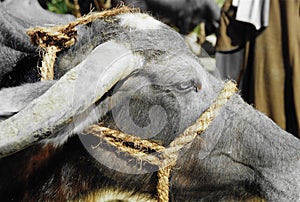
(56,38)
(139,148)
(168,156)
(49,57)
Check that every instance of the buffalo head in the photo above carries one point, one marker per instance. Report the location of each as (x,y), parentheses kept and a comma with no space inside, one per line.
(134,74)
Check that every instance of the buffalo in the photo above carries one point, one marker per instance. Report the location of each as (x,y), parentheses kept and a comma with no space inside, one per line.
(134,74)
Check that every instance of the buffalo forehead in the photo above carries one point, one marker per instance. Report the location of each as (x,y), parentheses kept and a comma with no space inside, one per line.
(175,69)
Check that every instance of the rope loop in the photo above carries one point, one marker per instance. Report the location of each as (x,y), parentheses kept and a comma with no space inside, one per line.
(168,155)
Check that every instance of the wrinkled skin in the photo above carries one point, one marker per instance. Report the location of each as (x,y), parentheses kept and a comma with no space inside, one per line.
(241,154)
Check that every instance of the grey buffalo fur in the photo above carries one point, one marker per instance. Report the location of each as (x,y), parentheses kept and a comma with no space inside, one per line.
(45,155)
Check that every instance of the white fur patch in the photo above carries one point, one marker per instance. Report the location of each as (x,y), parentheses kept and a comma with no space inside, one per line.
(117,195)
(139,21)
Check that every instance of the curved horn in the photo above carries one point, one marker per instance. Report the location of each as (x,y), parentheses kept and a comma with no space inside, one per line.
(104,67)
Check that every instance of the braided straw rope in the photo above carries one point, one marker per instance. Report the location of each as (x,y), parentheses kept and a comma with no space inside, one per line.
(168,155)
(56,38)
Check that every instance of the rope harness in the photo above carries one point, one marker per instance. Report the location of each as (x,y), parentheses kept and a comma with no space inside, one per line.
(54,39)
(167,157)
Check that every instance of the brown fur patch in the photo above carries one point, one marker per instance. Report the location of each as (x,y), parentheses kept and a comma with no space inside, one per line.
(38,159)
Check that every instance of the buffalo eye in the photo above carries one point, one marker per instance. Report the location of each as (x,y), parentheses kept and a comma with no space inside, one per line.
(198,87)
(188,85)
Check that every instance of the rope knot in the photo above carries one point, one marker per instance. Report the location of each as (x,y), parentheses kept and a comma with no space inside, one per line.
(60,37)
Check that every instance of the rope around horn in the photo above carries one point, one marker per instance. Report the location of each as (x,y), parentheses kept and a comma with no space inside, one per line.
(56,38)
(168,156)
